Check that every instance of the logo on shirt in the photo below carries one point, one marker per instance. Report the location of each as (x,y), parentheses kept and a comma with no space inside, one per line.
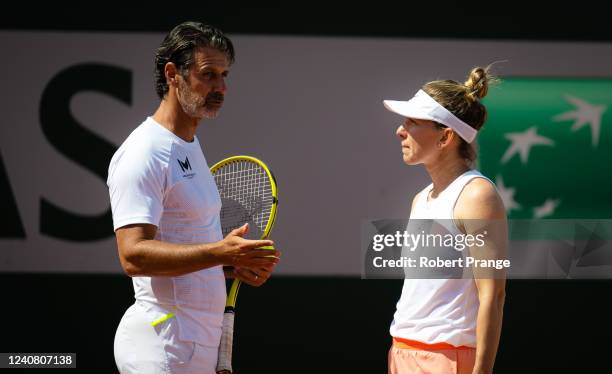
(185,166)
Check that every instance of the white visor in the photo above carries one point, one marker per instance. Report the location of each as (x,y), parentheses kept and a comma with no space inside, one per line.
(423,106)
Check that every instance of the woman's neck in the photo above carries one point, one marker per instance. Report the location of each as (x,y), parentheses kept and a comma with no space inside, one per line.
(444,172)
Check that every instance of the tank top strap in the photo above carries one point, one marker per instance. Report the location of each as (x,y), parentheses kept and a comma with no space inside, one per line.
(443,206)
(452,192)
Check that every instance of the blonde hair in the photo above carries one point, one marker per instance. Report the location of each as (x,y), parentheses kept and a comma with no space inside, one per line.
(463,100)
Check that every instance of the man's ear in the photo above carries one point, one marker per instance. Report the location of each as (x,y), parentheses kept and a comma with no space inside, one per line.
(171,73)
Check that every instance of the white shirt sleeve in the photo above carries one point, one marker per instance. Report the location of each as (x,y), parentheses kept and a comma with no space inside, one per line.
(136,182)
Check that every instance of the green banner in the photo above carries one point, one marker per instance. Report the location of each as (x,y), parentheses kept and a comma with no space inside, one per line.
(547,145)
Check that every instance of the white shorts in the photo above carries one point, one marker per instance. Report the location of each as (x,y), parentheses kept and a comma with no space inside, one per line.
(142,348)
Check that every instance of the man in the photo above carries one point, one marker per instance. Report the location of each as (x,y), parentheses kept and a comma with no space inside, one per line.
(166,216)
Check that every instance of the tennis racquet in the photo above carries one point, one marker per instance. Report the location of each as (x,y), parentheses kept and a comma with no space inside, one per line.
(248,195)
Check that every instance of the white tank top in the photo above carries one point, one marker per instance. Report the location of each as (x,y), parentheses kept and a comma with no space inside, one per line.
(438,310)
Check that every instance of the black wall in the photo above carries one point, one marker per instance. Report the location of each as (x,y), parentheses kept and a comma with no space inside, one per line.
(309,325)
(587,20)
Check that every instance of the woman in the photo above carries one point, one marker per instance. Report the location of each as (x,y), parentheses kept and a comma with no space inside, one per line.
(450,325)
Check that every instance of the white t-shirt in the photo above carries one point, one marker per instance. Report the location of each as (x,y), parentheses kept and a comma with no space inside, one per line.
(157,178)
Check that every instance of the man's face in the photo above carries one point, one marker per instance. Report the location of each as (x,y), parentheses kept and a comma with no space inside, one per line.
(202,90)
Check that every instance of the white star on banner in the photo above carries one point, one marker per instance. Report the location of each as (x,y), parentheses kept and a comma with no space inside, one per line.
(585,114)
(522,143)
(506,194)
(546,209)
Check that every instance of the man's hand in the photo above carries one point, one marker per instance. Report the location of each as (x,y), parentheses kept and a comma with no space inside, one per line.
(254,278)
(250,263)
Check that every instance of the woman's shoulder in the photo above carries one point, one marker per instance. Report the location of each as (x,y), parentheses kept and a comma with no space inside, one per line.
(479,200)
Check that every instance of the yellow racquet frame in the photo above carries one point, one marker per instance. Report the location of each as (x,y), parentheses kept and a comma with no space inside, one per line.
(233,292)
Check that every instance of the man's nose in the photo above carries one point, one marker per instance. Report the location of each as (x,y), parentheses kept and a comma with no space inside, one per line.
(220,85)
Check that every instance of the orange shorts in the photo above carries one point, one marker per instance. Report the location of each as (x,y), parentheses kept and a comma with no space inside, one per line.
(411,357)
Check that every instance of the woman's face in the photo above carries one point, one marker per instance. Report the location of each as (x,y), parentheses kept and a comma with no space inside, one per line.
(419,140)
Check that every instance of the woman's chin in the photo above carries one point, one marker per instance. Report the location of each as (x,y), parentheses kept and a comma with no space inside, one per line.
(408,160)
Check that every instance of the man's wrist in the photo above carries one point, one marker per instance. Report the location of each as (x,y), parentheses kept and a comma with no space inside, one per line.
(228,271)
(212,254)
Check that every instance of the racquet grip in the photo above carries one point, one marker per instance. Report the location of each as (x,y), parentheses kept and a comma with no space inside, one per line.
(224,359)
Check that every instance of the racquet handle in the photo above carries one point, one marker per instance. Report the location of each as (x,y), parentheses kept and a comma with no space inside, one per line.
(224,360)
(269,247)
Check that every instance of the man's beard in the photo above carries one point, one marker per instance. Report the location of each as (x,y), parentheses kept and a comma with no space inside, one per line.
(216,99)
(196,106)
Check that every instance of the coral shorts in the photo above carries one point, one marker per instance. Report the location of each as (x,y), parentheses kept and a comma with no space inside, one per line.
(411,357)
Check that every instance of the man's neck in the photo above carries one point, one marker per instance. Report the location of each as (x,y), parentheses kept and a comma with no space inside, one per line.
(171,116)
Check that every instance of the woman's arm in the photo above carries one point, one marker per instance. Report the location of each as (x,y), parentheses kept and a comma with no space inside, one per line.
(480,211)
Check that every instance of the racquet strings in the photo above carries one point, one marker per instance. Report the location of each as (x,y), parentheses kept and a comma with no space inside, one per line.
(246,196)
